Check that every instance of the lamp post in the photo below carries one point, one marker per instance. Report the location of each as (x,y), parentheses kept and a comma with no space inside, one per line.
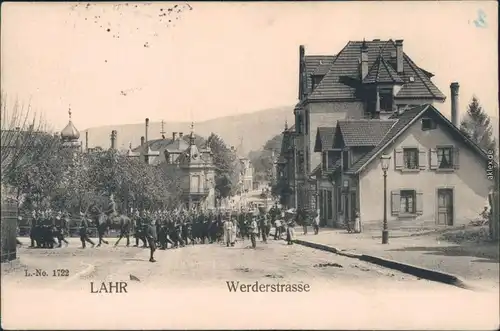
(384,160)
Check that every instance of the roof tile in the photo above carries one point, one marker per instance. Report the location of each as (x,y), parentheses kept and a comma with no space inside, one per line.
(402,121)
(346,63)
(369,132)
(382,72)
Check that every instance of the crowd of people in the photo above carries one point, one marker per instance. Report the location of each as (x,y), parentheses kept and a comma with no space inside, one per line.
(164,229)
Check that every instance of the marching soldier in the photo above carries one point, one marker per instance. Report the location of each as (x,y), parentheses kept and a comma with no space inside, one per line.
(60,228)
(84,235)
(151,237)
(139,229)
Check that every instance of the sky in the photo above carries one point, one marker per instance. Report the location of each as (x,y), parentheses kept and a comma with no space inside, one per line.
(221,59)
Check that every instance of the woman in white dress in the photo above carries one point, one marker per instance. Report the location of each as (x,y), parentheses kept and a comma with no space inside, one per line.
(357,223)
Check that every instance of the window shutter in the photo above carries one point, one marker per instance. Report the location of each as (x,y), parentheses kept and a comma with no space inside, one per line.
(433,158)
(395,202)
(419,203)
(398,159)
(422,161)
(456,160)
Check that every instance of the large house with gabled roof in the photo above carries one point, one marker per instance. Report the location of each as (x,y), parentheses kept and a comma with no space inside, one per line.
(437,176)
(181,156)
(365,80)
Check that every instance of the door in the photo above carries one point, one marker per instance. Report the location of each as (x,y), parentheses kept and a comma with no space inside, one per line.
(353,207)
(445,207)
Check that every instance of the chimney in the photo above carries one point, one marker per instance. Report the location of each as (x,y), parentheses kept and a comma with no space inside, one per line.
(113,139)
(147,129)
(454,103)
(142,141)
(364,60)
(86,140)
(301,71)
(399,56)
(181,134)
(174,135)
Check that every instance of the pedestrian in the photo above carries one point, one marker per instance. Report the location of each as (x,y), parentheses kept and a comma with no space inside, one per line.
(228,230)
(316,222)
(234,231)
(84,235)
(254,230)
(34,228)
(357,222)
(290,232)
(263,227)
(277,229)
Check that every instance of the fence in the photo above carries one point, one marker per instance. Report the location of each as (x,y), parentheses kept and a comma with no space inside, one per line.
(9,231)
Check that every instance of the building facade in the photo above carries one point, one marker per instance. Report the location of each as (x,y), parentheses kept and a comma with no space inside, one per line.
(436,175)
(365,80)
(246,181)
(181,156)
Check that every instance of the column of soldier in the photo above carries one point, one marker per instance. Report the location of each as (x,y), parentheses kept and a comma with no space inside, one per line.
(173,229)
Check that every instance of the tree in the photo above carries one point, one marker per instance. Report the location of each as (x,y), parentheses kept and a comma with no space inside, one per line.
(263,160)
(477,126)
(21,133)
(227,167)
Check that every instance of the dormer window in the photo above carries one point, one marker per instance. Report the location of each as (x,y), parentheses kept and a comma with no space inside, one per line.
(316,79)
(386,99)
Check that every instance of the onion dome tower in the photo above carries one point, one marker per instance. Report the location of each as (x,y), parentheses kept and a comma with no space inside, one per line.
(70,135)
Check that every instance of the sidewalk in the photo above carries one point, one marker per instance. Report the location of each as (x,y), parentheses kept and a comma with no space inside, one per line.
(475,265)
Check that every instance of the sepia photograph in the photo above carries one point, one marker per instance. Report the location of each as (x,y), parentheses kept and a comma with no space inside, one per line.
(250,165)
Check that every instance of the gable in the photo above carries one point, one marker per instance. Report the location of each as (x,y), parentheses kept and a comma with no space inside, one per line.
(324,139)
(412,119)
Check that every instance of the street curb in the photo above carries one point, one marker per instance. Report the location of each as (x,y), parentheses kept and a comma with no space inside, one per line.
(420,272)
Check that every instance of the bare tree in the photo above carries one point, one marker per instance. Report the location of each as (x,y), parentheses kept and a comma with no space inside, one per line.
(24,140)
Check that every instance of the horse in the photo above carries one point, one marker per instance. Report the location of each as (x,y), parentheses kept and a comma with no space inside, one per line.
(103,224)
(127,226)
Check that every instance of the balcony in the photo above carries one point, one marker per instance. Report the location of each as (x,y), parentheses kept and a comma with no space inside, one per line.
(203,191)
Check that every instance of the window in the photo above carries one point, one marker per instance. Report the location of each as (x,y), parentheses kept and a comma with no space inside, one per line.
(345,160)
(386,100)
(407,202)
(410,158)
(299,123)
(428,124)
(325,161)
(333,157)
(445,157)
(306,128)
(316,79)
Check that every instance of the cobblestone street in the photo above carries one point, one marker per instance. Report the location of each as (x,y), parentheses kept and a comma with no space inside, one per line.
(194,278)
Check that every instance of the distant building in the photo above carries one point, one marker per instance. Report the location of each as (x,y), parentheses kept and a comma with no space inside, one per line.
(70,136)
(246,174)
(192,163)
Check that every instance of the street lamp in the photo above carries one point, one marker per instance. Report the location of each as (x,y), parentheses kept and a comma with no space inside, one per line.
(384,160)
